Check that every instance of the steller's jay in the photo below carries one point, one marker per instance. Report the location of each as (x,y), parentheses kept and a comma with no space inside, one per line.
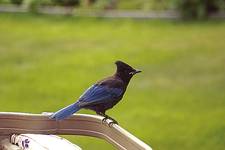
(103,95)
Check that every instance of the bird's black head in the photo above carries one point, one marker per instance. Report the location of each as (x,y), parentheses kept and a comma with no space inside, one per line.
(124,70)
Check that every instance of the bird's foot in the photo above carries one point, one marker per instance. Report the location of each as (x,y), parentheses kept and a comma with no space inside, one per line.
(112,122)
(104,120)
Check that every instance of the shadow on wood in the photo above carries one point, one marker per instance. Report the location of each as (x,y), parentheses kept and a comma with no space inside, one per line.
(79,124)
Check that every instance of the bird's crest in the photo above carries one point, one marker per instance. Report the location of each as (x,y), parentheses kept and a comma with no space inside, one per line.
(122,65)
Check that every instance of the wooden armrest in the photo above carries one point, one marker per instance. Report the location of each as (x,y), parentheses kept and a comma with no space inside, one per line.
(78,124)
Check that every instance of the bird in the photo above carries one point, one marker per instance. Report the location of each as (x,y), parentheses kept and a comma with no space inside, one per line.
(102,95)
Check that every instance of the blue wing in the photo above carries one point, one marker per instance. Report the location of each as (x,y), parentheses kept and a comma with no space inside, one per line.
(98,94)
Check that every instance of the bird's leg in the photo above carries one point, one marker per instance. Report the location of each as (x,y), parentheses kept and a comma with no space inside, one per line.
(104,115)
(107,117)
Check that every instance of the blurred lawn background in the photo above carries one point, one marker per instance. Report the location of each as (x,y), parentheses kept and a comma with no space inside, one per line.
(177,102)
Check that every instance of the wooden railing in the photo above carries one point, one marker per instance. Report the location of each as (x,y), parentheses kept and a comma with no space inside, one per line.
(79,124)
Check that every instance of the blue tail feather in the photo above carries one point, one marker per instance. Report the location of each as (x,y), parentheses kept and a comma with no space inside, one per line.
(65,112)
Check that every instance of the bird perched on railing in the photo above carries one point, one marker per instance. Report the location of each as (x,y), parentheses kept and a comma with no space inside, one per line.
(103,95)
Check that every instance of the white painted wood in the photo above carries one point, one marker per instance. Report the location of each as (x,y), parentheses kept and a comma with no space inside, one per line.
(79,124)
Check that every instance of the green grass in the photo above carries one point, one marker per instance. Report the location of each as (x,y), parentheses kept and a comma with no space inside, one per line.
(178,102)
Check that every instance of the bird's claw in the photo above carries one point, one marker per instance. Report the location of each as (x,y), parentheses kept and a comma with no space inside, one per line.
(112,123)
(104,120)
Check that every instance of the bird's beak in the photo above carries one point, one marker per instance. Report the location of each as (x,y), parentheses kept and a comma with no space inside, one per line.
(135,72)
